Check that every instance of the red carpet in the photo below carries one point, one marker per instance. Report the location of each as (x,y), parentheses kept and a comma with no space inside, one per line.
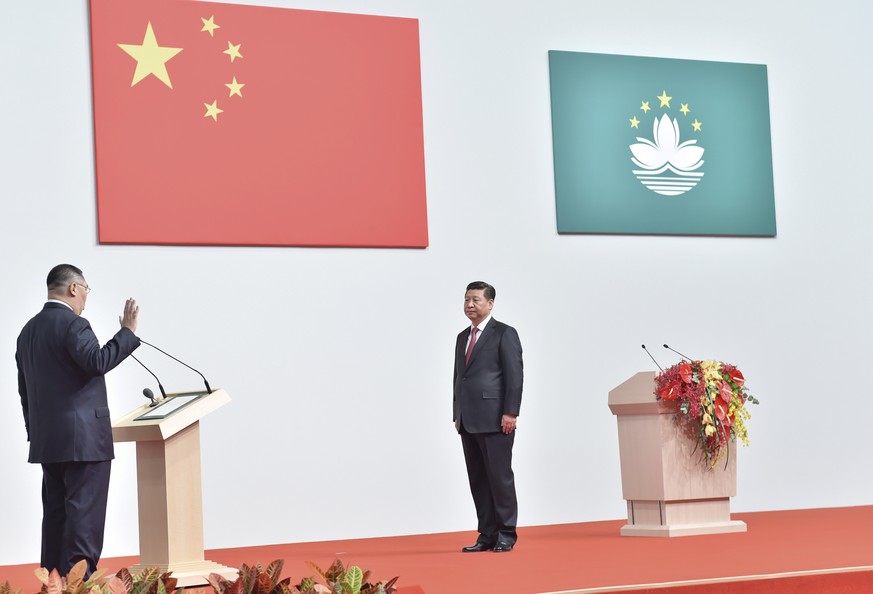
(592,557)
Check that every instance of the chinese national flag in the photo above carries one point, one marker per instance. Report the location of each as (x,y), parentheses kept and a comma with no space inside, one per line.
(223,124)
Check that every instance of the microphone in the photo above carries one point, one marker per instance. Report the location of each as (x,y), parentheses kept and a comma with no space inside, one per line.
(652,358)
(163,394)
(147,392)
(208,389)
(677,352)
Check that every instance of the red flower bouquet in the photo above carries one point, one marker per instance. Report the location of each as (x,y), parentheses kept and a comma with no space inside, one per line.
(711,398)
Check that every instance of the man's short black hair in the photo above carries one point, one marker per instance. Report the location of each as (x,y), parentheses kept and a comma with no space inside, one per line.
(490,292)
(62,275)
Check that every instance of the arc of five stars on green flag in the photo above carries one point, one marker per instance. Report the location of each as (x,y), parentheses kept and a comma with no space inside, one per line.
(151,59)
(665,102)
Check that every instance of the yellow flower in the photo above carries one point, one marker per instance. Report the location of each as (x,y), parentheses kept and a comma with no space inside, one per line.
(711,371)
(710,430)
(707,420)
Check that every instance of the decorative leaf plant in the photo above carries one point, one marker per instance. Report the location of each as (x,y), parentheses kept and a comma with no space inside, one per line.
(148,581)
(337,580)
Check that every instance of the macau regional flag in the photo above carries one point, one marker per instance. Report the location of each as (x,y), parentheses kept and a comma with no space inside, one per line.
(246,125)
(661,146)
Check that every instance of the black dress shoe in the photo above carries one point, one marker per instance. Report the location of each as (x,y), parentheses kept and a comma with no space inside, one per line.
(502,547)
(477,548)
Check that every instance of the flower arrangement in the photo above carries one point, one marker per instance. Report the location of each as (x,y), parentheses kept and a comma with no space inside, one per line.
(711,398)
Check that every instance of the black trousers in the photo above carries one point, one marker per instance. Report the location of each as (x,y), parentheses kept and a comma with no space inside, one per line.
(492,483)
(74,496)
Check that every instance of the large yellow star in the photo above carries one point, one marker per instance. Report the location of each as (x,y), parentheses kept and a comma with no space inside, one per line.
(645,107)
(665,100)
(696,125)
(635,123)
(209,25)
(212,110)
(233,51)
(150,58)
(684,109)
(235,87)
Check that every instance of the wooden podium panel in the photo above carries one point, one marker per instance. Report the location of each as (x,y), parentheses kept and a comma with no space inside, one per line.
(169,489)
(668,488)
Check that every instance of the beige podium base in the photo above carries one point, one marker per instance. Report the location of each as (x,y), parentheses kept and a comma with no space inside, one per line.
(193,573)
(680,518)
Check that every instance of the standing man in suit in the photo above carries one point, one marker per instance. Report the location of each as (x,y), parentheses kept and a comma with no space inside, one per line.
(66,415)
(487,397)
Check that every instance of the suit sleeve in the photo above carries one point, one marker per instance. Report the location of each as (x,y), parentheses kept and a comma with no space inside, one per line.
(86,351)
(455,364)
(513,371)
(22,391)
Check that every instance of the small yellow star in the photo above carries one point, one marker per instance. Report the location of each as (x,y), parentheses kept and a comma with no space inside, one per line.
(645,107)
(696,125)
(635,123)
(209,25)
(212,110)
(235,87)
(233,51)
(665,100)
(150,58)
(685,109)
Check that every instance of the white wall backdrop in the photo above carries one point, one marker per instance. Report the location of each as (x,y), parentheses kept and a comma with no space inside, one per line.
(339,361)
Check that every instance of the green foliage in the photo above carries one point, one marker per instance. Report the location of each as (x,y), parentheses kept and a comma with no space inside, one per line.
(337,580)
(341,580)
(149,581)
(252,580)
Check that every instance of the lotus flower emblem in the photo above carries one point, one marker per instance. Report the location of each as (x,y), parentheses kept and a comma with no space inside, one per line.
(664,158)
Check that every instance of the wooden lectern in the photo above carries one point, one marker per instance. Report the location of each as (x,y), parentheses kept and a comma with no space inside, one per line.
(670,491)
(169,491)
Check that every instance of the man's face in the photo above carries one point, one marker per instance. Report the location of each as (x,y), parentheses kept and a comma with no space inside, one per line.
(476,307)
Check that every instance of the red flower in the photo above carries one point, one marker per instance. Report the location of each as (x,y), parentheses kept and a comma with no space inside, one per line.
(721,411)
(670,391)
(724,390)
(685,372)
(737,377)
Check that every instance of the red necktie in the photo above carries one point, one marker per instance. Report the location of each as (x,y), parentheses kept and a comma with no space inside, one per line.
(470,346)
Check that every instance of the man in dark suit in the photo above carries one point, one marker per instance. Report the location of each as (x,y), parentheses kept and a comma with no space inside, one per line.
(487,397)
(66,415)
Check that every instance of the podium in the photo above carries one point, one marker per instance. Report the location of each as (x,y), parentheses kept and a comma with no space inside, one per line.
(169,490)
(669,489)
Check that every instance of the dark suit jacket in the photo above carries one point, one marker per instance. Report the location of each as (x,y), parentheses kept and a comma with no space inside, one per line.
(63,393)
(490,386)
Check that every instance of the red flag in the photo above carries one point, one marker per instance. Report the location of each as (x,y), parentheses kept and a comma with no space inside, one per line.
(223,124)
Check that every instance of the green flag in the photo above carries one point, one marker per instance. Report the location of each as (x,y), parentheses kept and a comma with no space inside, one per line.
(661,146)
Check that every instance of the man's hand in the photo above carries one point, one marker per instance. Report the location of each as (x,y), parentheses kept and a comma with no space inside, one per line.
(509,423)
(131,314)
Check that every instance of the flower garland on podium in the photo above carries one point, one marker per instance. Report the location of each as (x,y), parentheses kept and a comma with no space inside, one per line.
(712,398)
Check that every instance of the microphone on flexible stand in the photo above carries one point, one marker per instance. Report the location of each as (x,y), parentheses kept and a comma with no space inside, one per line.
(147,392)
(208,389)
(677,352)
(151,394)
(652,358)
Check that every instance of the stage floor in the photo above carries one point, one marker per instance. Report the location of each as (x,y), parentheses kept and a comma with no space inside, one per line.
(586,557)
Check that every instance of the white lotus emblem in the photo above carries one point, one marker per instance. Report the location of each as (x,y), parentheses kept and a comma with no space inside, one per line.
(664,158)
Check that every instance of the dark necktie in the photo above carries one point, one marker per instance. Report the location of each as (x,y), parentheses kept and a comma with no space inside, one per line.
(470,346)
